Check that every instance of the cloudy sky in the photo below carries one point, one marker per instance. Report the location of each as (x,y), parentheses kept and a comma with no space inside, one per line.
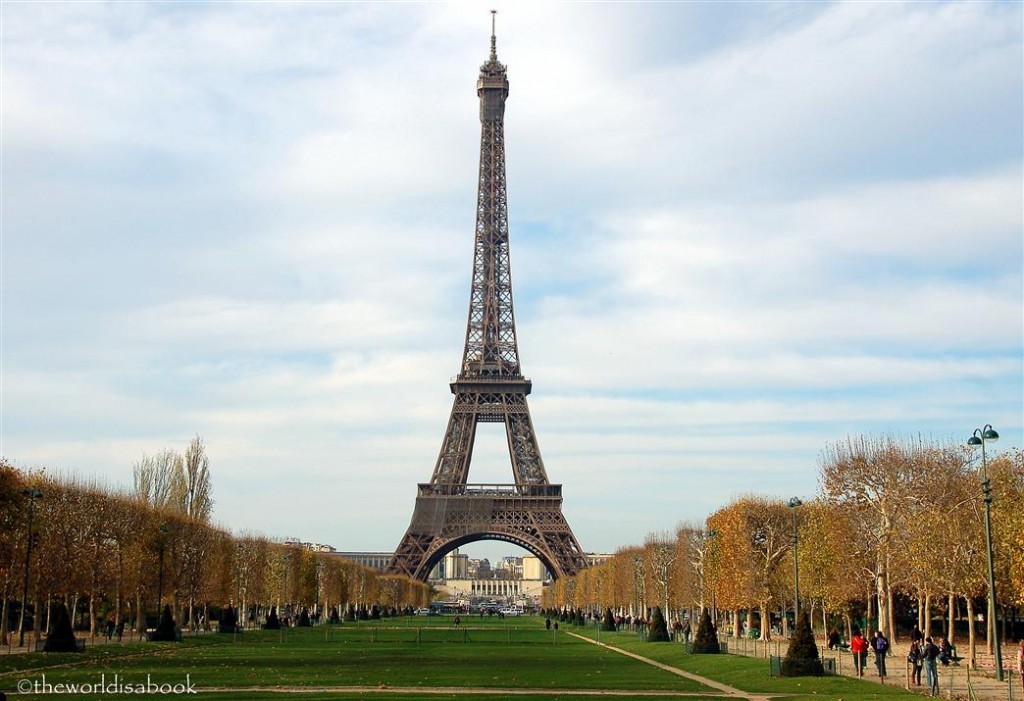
(741,231)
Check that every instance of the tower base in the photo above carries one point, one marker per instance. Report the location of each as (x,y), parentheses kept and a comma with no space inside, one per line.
(449,515)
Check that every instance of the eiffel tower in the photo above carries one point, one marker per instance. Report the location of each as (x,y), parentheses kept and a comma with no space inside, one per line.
(450,512)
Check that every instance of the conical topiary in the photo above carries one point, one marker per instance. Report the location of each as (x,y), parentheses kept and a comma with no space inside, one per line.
(608,621)
(657,629)
(706,640)
(273,622)
(61,637)
(165,630)
(228,620)
(303,621)
(802,656)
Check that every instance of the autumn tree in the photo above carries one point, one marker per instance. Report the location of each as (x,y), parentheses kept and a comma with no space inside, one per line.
(13,525)
(874,477)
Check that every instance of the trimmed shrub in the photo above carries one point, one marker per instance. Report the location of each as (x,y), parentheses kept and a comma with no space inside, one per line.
(608,621)
(706,640)
(802,656)
(165,631)
(273,622)
(61,637)
(304,618)
(228,621)
(657,629)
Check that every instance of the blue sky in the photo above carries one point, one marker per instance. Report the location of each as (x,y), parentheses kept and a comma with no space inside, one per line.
(740,231)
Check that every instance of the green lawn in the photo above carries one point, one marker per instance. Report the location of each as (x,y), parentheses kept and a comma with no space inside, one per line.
(422,652)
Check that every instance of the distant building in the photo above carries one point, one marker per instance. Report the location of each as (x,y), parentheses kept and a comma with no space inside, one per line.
(456,566)
(313,547)
(375,561)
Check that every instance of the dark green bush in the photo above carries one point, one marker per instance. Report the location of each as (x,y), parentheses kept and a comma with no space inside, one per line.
(165,631)
(61,637)
(657,629)
(273,622)
(608,621)
(706,640)
(802,656)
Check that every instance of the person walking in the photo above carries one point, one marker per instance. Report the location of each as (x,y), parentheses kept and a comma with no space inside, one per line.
(916,662)
(930,652)
(880,645)
(859,648)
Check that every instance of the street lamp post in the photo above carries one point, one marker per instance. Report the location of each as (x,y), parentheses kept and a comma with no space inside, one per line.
(32,493)
(980,437)
(794,504)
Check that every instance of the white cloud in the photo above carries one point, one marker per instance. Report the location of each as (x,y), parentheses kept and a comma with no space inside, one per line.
(739,232)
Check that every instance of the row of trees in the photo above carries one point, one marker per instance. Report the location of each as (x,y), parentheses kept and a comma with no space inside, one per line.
(896,521)
(109,555)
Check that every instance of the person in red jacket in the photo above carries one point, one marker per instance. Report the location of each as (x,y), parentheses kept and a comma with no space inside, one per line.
(859,648)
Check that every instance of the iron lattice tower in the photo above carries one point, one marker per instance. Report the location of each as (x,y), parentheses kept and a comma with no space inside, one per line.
(490,387)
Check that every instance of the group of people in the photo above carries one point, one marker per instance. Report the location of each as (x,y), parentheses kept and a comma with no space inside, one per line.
(924,654)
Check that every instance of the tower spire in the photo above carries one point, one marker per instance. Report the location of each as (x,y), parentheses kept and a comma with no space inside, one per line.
(494,40)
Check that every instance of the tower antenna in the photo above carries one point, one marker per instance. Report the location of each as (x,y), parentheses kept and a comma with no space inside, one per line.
(494,41)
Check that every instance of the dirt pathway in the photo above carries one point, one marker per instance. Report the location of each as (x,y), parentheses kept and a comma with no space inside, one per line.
(725,690)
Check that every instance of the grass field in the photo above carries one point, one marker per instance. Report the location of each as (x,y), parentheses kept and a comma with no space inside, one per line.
(484,659)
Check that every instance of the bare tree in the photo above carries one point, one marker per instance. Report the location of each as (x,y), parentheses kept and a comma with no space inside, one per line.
(196,490)
(155,476)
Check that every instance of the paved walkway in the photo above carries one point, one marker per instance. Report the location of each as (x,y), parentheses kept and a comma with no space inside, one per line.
(725,690)
(955,682)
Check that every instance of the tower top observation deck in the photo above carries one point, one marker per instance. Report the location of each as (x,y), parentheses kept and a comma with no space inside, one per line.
(492,85)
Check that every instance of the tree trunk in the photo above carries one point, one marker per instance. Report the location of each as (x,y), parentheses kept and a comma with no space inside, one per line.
(927,627)
(882,592)
(765,622)
(3,621)
(890,618)
(951,634)
(971,632)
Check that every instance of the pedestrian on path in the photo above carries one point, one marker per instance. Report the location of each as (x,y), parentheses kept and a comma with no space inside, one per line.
(881,647)
(916,660)
(859,648)
(930,651)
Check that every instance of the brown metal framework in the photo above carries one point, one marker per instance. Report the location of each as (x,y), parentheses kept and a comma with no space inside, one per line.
(490,388)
